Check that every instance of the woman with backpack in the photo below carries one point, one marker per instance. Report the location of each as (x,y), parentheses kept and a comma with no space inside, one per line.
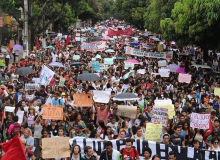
(14,129)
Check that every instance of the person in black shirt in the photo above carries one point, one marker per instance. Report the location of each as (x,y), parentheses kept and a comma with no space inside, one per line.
(176,139)
(109,153)
(53,127)
(85,115)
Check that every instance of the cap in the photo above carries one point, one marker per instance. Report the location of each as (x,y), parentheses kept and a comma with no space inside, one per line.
(78,127)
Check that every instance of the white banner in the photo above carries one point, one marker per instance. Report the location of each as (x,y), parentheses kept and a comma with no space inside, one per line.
(31,86)
(137,52)
(46,76)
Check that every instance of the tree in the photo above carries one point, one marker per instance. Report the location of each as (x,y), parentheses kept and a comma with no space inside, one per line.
(194,22)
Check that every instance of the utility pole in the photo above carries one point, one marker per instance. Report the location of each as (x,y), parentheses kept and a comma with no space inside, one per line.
(26,49)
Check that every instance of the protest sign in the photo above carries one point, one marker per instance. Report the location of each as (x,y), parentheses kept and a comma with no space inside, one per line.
(20,115)
(9,109)
(153,132)
(160,116)
(62,82)
(200,121)
(55,147)
(36,80)
(52,112)
(102,67)
(77,34)
(141,71)
(29,97)
(101,96)
(31,86)
(83,100)
(162,63)
(180,70)
(108,61)
(217,91)
(161,102)
(94,46)
(76,57)
(129,65)
(127,111)
(181,153)
(170,108)
(184,78)
(164,72)
(95,66)
(112,32)
(46,75)
(140,53)
(173,67)
(77,39)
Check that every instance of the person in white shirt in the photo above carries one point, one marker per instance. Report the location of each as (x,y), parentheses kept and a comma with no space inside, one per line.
(114,126)
(139,134)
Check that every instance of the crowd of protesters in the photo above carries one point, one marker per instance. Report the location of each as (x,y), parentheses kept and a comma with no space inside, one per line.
(101,121)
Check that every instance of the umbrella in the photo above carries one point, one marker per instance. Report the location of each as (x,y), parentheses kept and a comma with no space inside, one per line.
(17,47)
(98,56)
(126,96)
(134,43)
(24,71)
(98,38)
(88,77)
(109,50)
(76,64)
(49,47)
(127,75)
(56,64)
(121,58)
(132,61)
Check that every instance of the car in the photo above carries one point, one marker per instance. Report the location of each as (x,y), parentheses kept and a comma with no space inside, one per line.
(207,68)
(214,74)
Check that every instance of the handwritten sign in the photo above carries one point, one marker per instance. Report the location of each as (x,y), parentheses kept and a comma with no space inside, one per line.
(181,70)
(83,100)
(217,91)
(164,72)
(108,61)
(162,63)
(127,111)
(184,78)
(200,121)
(30,86)
(173,67)
(29,97)
(160,116)
(52,112)
(55,147)
(96,66)
(62,81)
(170,108)
(153,132)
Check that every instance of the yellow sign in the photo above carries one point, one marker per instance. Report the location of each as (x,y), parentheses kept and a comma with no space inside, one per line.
(217,91)
(170,108)
(153,132)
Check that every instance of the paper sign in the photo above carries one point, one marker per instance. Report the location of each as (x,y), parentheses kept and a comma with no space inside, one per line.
(127,111)
(200,121)
(173,67)
(164,72)
(53,112)
(102,67)
(55,147)
(96,66)
(159,116)
(108,61)
(83,100)
(161,102)
(162,63)
(77,39)
(31,86)
(29,97)
(184,78)
(101,96)
(20,115)
(181,70)
(62,81)
(141,71)
(217,91)
(77,34)
(9,109)
(153,132)
(170,108)
(36,80)
(128,65)
(76,57)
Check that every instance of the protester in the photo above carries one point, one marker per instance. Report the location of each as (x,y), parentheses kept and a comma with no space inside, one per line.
(109,153)
(129,152)
(147,154)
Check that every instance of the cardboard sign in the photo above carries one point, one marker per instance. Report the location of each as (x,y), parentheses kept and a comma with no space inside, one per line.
(184,78)
(162,63)
(200,121)
(108,61)
(217,91)
(31,86)
(127,111)
(96,66)
(55,147)
(160,116)
(52,112)
(83,100)
(170,108)
(153,132)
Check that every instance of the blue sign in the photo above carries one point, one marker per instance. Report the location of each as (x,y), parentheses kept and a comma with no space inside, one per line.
(96,66)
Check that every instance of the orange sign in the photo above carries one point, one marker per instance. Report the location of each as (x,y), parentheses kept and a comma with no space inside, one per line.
(52,112)
(83,100)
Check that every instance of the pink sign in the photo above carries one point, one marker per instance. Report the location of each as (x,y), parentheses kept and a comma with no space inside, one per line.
(181,70)
(184,78)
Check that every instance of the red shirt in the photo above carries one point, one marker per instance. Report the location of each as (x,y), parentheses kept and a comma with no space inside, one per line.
(129,155)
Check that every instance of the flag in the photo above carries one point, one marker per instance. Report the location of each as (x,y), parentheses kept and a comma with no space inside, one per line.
(209,131)
(37,43)
(67,40)
(13,149)
(58,44)
(141,107)
(146,102)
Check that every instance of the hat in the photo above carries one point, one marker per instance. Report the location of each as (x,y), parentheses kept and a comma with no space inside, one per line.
(78,127)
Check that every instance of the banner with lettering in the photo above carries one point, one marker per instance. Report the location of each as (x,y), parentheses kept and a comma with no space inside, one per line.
(94,46)
(162,150)
(200,121)
(112,32)
(137,52)
(52,112)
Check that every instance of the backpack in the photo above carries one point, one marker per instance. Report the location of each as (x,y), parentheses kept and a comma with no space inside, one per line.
(16,129)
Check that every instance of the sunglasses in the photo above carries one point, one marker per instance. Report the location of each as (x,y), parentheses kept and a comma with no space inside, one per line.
(216,142)
(115,108)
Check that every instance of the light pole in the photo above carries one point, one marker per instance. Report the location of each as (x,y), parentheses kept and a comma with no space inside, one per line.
(26,49)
